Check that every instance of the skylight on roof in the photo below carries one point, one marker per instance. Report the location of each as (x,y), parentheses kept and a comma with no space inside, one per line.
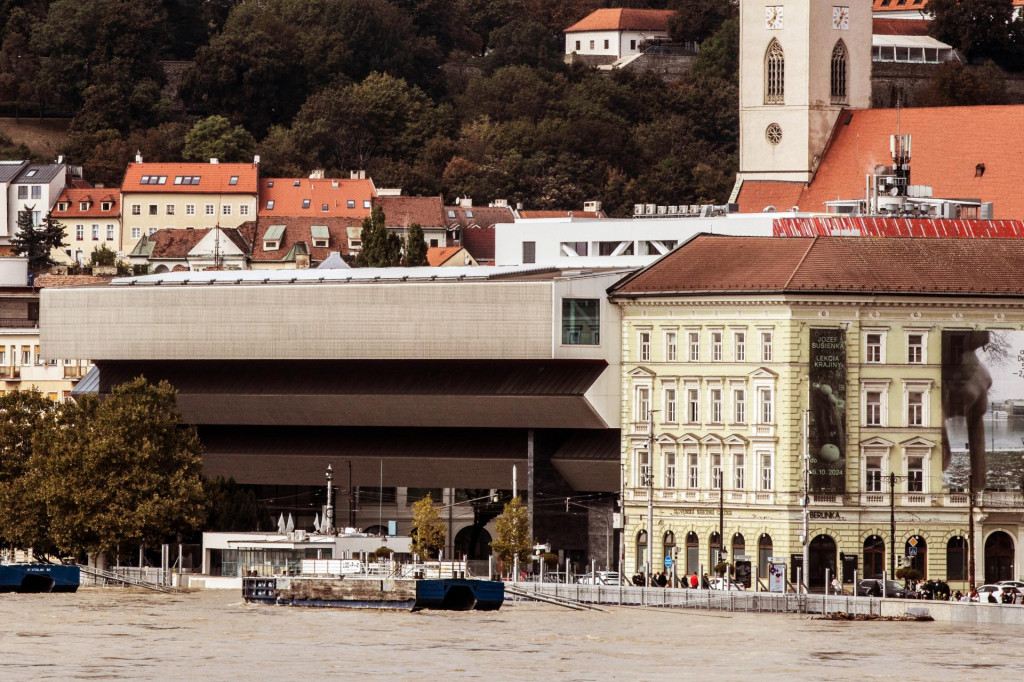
(305,203)
(323,208)
(233,180)
(296,183)
(270,204)
(270,183)
(31,173)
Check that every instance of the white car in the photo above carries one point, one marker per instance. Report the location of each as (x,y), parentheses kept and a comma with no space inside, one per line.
(723,584)
(999,590)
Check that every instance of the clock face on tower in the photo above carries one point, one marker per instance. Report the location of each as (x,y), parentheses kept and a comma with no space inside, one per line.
(841,18)
(773,17)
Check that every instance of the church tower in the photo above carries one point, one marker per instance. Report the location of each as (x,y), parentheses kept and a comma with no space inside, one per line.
(801,63)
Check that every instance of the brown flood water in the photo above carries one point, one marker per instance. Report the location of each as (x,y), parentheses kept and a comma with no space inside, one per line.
(111,634)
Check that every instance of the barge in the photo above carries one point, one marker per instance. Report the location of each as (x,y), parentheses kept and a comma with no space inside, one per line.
(39,577)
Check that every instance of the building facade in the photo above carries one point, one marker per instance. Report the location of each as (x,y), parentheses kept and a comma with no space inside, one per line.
(730,343)
(91,219)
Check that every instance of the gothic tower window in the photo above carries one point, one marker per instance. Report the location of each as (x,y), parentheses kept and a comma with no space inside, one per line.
(774,74)
(839,72)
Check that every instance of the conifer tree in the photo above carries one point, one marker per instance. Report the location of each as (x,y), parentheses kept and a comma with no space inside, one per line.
(37,242)
(380,248)
(415,247)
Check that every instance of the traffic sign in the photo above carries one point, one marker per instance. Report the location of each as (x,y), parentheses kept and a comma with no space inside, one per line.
(913,544)
(668,561)
(911,551)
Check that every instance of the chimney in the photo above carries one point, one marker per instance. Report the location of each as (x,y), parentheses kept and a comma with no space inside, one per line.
(256,160)
(138,156)
(214,161)
(467,202)
(357,175)
(335,184)
(317,174)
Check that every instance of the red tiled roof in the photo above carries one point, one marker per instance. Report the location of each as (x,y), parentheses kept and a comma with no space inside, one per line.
(527,215)
(288,195)
(479,241)
(869,265)
(94,197)
(439,255)
(756,195)
(175,244)
(298,230)
(404,211)
(903,5)
(623,19)
(481,216)
(885,26)
(213,178)
(948,144)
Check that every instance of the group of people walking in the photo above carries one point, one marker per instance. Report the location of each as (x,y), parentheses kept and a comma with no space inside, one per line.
(684,581)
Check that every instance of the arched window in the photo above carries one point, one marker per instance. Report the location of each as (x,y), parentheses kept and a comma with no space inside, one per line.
(669,545)
(956,558)
(774,74)
(641,550)
(764,552)
(739,546)
(692,552)
(839,71)
(714,550)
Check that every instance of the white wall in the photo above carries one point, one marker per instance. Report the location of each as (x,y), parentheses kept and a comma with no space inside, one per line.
(618,42)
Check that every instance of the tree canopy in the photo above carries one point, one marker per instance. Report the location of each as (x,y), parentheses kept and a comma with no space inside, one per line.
(37,243)
(982,29)
(428,532)
(512,533)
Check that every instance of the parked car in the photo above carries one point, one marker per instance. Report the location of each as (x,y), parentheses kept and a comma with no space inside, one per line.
(1000,590)
(873,588)
(723,584)
(602,578)
(1014,583)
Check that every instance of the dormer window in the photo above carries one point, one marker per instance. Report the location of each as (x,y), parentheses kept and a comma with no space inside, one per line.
(321,236)
(105,206)
(62,206)
(351,203)
(272,237)
(271,246)
(305,203)
(83,205)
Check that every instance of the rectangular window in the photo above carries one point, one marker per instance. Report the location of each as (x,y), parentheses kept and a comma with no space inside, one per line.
(105,206)
(305,203)
(152,230)
(915,408)
(591,44)
(766,346)
(606,44)
(226,209)
(136,232)
(716,471)
(270,204)
(632,44)
(739,406)
(873,474)
(243,209)
(716,406)
(110,233)
(210,209)
(190,209)
(366,203)
(693,344)
(874,348)
(37,192)
(351,203)
(79,232)
(739,476)
(693,471)
(136,209)
(529,252)
(767,479)
(95,233)
(670,469)
(23,191)
(643,466)
(873,408)
(915,349)
(26,355)
(764,397)
(670,405)
(645,346)
(643,404)
(233,180)
(577,46)
(153,209)
(170,209)
(716,346)
(670,346)
(581,321)
(693,406)
(740,346)
(3,357)
(915,474)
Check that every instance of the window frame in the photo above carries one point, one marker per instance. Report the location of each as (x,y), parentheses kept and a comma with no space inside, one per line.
(922,349)
(870,357)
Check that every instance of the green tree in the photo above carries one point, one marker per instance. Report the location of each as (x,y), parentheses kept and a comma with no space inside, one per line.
(216,138)
(37,242)
(512,533)
(380,248)
(103,256)
(428,534)
(234,508)
(954,85)
(121,471)
(982,29)
(415,247)
(719,55)
(696,20)
(24,522)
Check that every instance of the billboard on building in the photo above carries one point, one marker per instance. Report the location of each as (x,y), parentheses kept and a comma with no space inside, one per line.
(826,428)
(983,408)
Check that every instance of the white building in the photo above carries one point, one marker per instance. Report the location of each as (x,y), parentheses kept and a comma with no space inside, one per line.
(616,33)
(35,189)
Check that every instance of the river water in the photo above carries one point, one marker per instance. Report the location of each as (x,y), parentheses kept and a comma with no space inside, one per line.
(111,634)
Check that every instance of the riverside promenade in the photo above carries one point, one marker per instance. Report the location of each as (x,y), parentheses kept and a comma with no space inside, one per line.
(768,602)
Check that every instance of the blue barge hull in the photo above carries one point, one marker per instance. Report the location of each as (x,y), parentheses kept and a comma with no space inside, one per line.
(453,594)
(397,595)
(36,578)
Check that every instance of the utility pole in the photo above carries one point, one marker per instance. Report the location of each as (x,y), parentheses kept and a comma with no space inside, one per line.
(649,482)
(805,541)
(351,498)
(892,525)
(970,531)
(329,509)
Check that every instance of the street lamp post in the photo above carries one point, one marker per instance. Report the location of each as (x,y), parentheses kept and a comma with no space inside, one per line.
(892,523)
(327,528)
(648,480)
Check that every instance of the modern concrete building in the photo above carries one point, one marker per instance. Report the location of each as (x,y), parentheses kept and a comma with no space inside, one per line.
(423,378)
(902,354)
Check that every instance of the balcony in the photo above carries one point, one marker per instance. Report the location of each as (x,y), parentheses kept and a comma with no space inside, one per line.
(764,430)
(10,373)
(74,371)
(642,428)
(18,323)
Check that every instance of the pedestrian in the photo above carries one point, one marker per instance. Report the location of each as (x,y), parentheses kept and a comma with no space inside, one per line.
(694,581)
(705,583)
(837,587)
(662,579)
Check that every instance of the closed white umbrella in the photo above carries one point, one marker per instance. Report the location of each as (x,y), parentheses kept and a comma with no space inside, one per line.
(280,523)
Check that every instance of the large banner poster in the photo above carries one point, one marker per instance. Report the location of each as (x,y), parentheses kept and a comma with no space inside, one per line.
(826,438)
(983,408)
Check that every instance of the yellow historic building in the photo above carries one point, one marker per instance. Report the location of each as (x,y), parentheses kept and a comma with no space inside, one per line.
(893,364)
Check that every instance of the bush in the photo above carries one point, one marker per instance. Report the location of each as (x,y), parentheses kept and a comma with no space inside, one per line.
(383,553)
